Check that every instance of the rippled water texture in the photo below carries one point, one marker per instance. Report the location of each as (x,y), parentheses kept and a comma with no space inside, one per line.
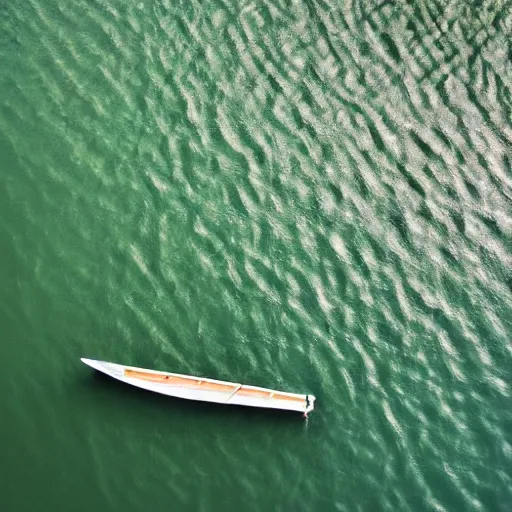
(307,195)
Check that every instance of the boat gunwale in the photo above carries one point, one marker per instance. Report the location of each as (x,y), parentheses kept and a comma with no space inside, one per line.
(204,379)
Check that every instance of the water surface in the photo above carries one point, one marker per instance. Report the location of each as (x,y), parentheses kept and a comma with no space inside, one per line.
(312,196)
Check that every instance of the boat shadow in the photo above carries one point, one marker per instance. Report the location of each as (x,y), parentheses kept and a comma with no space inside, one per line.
(141,398)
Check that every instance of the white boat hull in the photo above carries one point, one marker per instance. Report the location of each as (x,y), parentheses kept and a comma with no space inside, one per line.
(206,390)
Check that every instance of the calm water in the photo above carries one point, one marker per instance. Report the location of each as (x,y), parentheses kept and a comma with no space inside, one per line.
(308,195)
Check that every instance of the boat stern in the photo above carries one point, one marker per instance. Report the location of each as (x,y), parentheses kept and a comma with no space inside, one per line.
(310,404)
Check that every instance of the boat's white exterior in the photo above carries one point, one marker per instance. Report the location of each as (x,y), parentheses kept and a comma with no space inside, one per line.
(207,390)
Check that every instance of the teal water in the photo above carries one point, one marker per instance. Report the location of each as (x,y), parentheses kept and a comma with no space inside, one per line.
(306,195)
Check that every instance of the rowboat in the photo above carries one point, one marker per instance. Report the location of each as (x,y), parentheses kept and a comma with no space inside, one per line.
(206,390)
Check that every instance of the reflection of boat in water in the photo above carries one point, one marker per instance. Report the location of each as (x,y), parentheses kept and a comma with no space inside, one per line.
(206,390)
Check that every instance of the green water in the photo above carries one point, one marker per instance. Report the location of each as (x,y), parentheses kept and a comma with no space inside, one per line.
(306,195)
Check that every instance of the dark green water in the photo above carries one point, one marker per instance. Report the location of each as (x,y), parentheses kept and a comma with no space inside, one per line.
(307,195)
